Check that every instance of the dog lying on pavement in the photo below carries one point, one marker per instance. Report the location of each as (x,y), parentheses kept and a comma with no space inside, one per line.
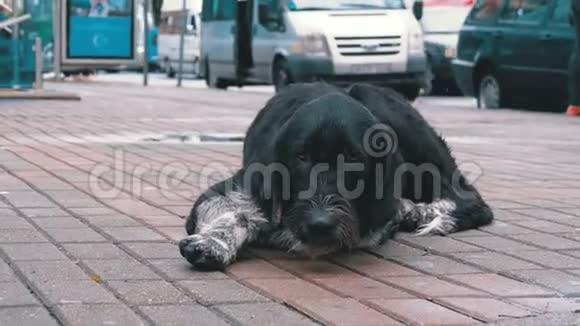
(325,170)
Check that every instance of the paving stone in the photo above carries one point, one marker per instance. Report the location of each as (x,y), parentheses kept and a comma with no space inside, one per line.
(120,269)
(23,199)
(14,223)
(111,221)
(436,265)
(442,244)
(421,312)
(395,249)
(256,268)
(29,316)
(289,289)
(311,269)
(499,244)
(494,261)
(562,282)
(221,291)
(164,221)
(267,314)
(174,233)
(21,236)
(149,292)
(359,288)
(154,250)
(75,235)
(501,228)
(183,315)
(133,234)
(341,311)
(43,271)
(548,241)
(6,274)
(44,212)
(96,315)
(545,226)
(549,305)
(505,215)
(430,287)
(15,294)
(500,285)
(5,212)
(179,269)
(93,211)
(33,251)
(487,309)
(548,258)
(74,292)
(59,223)
(95,251)
(372,266)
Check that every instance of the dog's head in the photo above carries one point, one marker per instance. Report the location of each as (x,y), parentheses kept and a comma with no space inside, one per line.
(337,163)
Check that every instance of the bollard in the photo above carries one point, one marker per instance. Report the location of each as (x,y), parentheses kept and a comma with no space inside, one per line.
(38,63)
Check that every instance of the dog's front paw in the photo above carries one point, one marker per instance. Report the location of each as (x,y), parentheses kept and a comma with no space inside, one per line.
(206,252)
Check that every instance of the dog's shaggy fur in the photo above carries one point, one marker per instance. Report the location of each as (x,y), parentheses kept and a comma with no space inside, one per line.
(294,192)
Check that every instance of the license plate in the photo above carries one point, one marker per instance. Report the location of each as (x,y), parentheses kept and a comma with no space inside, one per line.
(370,68)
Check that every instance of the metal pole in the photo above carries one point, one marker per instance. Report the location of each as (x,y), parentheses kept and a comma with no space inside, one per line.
(182,43)
(16,8)
(38,64)
(146,44)
(57,41)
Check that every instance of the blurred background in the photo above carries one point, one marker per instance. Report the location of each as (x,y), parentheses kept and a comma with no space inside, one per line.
(500,53)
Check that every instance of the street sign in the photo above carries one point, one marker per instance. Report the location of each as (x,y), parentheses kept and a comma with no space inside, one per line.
(98,31)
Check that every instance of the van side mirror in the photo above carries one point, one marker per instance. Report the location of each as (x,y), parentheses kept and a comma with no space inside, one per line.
(418,9)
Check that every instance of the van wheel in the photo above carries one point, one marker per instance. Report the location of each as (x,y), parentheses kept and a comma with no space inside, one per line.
(490,94)
(170,72)
(213,83)
(281,75)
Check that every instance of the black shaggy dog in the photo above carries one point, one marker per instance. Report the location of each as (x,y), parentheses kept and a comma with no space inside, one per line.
(327,169)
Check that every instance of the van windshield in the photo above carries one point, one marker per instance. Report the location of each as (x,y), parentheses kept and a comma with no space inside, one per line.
(304,5)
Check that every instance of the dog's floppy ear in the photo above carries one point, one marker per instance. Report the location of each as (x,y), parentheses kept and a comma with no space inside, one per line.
(270,179)
(380,199)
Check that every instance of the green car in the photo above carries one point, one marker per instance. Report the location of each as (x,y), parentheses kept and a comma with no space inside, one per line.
(515,53)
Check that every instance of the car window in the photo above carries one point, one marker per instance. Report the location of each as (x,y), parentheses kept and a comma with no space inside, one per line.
(485,10)
(219,10)
(561,14)
(525,11)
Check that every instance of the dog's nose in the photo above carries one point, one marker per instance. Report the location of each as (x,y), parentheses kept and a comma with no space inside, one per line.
(322,226)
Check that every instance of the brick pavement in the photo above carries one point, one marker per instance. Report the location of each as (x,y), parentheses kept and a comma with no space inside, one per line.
(90,213)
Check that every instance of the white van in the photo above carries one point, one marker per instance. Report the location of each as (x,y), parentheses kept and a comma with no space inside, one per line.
(170,27)
(338,41)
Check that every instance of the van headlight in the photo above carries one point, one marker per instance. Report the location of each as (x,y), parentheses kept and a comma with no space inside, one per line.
(416,44)
(312,44)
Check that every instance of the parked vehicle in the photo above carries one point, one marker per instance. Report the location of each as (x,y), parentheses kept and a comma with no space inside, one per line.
(448,3)
(515,53)
(171,26)
(441,27)
(339,41)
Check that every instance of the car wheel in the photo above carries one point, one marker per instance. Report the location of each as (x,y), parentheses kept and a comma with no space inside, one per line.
(490,93)
(281,75)
(170,72)
(429,80)
(210,82)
